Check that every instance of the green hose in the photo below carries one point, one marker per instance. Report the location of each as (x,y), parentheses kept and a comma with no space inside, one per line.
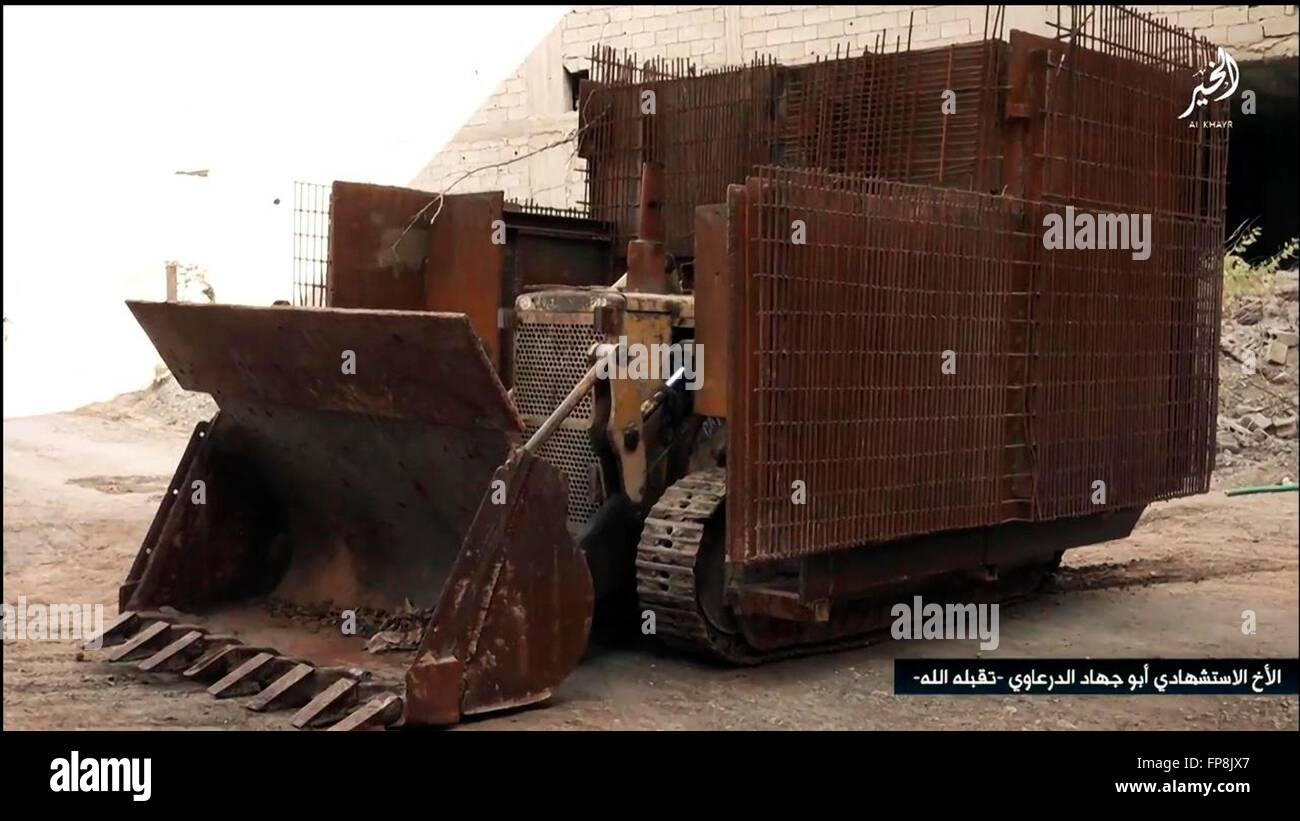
(1243,491)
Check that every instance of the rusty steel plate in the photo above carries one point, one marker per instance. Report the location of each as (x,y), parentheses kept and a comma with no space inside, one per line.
(423,367)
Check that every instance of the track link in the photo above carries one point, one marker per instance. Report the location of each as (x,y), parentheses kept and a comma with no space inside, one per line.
(666,559)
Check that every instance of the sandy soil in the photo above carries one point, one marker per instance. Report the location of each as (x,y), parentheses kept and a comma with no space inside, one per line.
(80,489)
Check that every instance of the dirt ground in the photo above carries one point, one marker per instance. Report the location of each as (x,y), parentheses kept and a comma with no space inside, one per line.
(80,489)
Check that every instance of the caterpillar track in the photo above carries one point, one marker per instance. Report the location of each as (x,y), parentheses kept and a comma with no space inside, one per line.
(678,569)
(666,559)
(678,550)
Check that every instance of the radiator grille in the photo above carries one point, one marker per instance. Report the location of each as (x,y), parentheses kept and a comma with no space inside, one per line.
(550,358)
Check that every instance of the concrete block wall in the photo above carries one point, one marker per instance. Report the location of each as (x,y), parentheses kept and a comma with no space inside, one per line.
(516,140)
(1248,32)
(713,36)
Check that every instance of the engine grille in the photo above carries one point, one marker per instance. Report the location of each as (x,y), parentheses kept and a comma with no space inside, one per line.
(550,358)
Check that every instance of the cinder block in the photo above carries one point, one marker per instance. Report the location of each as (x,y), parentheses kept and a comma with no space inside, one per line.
(792,52)
(1245,33)
(954,28)
(816,14)
(790,20)
(1276,352)
(1230,15)
(1196,19)
(877,22)
(1280,26)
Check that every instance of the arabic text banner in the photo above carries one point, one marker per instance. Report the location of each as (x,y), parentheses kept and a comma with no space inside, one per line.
(1125,677)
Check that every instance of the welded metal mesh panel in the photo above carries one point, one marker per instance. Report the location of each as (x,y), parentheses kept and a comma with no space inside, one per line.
(1113,136)
(842,390)
(883,115)
(1124,381)
(311,236)
(1124,374)
(707,128)
(550,358)
(876,113)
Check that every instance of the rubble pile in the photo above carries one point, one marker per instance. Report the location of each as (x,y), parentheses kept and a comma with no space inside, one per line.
(384,631)
(1260,359)
(163,402)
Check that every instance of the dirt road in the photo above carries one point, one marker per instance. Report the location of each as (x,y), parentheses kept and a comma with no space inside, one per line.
(79,491)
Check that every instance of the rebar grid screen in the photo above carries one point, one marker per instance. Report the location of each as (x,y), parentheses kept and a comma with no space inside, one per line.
(707,128)
(1114,139)
(1125,374)
(874,112)
(924,116)
(311,239)
(875,380)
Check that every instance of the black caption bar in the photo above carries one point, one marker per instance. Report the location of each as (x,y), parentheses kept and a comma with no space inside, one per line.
(1123,677)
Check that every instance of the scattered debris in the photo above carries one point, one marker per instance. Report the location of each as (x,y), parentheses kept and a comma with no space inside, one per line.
(384,631)
(122,484)
(1257,423)
(164,402)
(387,641)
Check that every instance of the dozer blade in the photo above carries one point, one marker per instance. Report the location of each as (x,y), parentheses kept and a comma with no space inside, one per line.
(515,614)
(344,466)
(351,453)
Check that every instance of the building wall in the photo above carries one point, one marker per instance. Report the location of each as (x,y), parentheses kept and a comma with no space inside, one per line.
(1249,32)
(518,141)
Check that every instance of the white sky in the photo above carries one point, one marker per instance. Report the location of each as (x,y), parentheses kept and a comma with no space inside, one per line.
(103,105)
